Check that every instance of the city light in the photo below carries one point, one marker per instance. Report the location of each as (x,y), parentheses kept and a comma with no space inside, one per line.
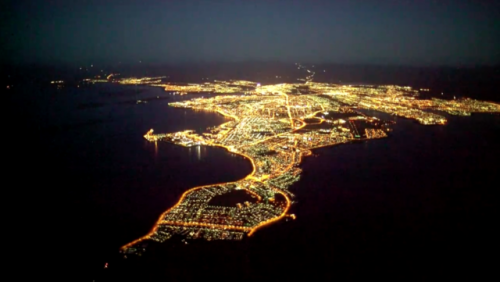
(274,126)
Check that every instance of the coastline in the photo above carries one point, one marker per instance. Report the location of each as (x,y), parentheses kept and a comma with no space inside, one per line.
(250,230)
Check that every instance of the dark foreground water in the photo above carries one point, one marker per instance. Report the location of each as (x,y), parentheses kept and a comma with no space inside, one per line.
(416,205)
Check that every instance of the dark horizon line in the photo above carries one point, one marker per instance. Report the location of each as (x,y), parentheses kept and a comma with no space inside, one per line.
(7,65)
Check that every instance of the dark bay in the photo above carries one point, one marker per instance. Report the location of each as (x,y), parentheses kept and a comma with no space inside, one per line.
(99,183)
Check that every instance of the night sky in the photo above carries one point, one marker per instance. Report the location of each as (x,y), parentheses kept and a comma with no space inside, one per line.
(416,32)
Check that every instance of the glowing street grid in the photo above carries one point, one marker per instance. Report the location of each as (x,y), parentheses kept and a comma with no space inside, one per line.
(275,126)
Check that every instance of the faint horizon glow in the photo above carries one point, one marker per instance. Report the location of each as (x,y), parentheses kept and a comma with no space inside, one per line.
(353,32)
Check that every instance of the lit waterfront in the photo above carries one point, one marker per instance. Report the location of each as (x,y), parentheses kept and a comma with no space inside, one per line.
(274,126)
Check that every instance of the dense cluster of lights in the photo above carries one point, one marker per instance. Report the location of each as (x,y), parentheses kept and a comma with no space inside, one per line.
(401,101)
(275,126)
(274,132)
(217,86)
(145,80)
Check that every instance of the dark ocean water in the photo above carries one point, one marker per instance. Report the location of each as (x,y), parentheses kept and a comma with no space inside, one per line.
(414,205)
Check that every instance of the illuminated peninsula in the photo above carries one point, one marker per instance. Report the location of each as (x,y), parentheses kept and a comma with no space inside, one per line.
(274,127)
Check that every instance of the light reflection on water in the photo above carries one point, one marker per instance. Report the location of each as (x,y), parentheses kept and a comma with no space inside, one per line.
(156,149)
